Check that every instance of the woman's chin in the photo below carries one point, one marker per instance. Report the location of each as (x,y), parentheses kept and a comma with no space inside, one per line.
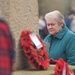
(51,33)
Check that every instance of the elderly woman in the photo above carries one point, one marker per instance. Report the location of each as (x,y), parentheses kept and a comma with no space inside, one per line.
(61,39)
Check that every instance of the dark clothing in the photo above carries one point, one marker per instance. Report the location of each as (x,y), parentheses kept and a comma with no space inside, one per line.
(68,22)
(6,50)
(41,33)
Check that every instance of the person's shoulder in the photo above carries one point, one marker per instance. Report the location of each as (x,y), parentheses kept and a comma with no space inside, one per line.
(70,34)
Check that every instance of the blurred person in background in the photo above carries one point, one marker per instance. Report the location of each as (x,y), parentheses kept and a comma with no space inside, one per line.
(72,26)
(60,38)
(6,49)
(73,10)
(42,27)
(45,29)
(68,19)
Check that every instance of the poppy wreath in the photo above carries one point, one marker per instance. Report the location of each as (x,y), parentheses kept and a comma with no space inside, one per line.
(38,58)
(61,67)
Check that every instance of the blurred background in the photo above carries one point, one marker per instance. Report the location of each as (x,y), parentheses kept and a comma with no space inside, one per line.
(25,15)
(63,6)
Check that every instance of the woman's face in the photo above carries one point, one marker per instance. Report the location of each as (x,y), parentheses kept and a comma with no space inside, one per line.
(53,26)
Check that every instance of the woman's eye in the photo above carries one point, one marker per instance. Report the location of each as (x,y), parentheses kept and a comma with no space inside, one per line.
(51,24)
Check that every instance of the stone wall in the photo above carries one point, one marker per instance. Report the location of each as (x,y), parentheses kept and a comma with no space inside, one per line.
(21,15)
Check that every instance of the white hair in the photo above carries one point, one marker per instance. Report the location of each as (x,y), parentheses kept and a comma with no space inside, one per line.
(55,15)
